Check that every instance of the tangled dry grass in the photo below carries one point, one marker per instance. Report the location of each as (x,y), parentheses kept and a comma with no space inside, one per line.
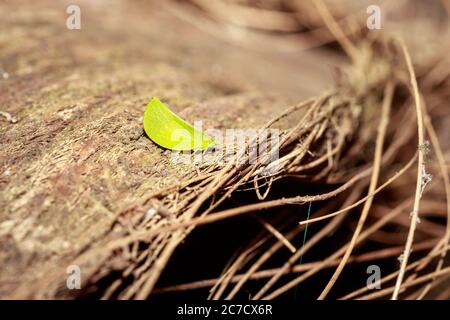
(368,158)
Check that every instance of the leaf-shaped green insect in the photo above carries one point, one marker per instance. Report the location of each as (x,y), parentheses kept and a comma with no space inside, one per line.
(169,131)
